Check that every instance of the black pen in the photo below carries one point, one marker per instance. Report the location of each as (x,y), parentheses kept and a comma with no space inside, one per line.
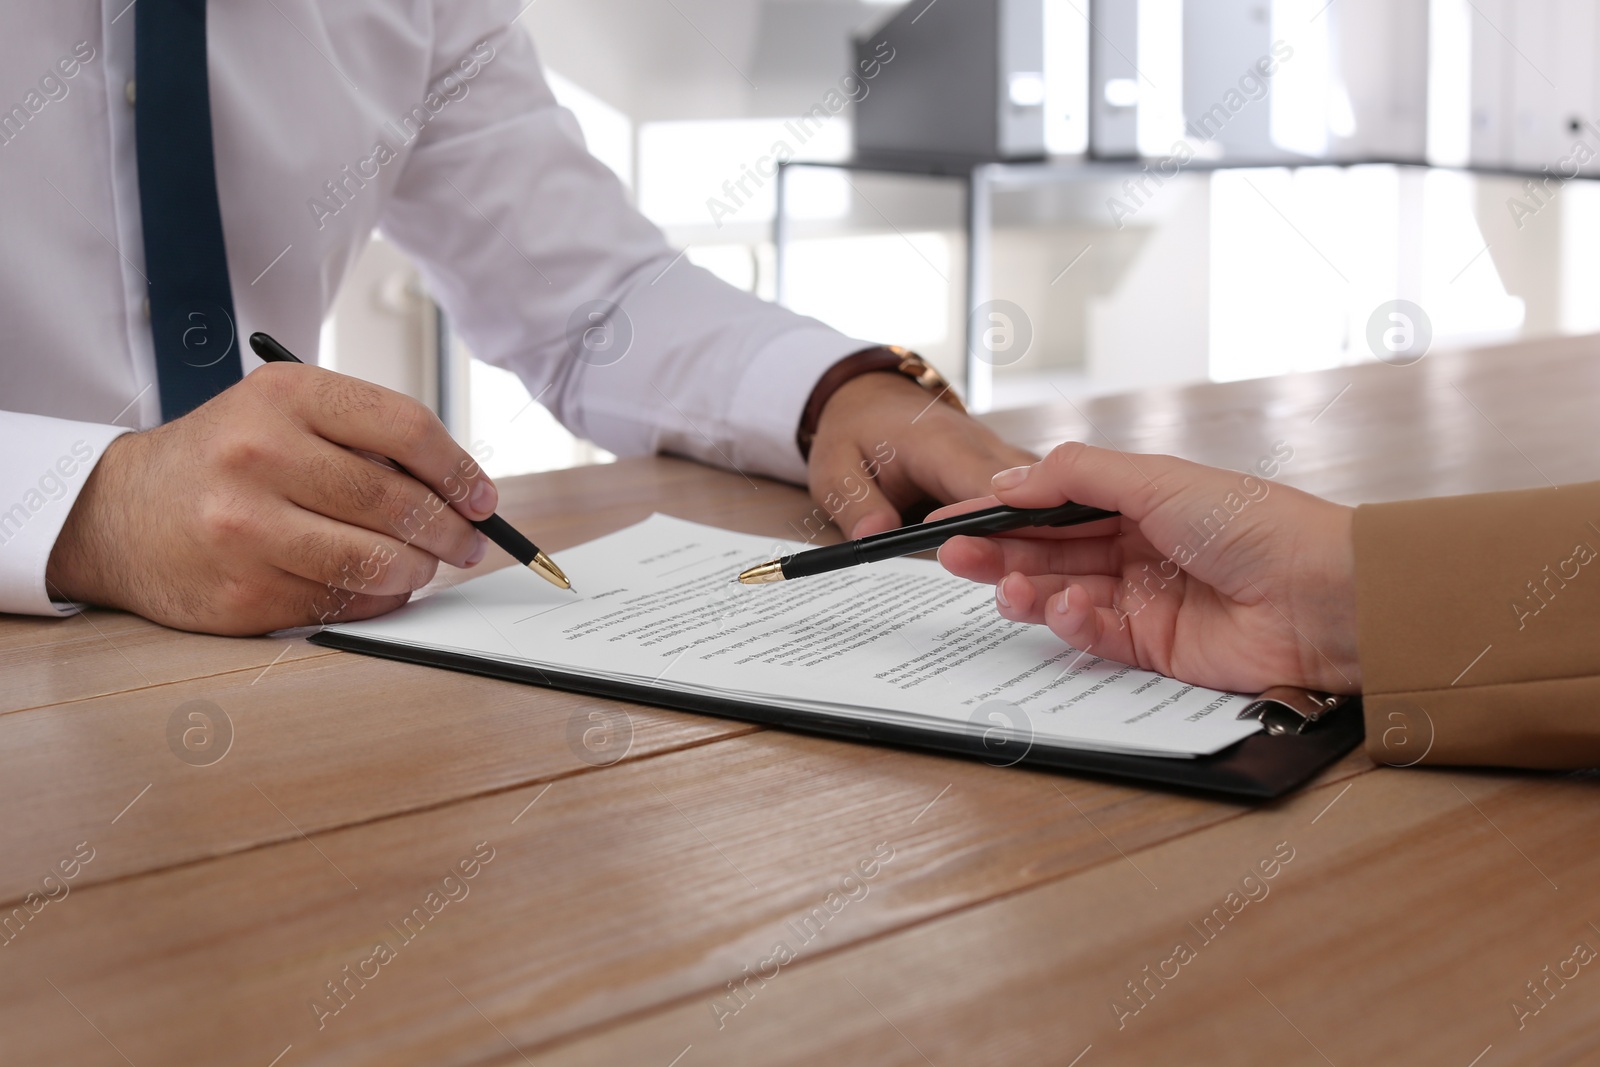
(919,538)
(494,527)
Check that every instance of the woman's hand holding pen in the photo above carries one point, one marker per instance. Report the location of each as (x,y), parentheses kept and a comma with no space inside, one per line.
(252,513)
(1210,576)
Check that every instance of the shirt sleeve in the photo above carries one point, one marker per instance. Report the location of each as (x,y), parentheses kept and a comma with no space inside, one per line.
(531,247)
(1478,622)
(47,462)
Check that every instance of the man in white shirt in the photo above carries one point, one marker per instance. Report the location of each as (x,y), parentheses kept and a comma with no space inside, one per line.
(433,122)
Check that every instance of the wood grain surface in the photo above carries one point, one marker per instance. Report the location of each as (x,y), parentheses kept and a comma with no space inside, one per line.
(640,889)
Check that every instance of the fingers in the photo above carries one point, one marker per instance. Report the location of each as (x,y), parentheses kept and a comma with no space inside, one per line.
(1078,609)
(950,511)
(1023,598)
(885,432)
(1074,616)
(341,485)
(333,554)
(267,598)
(844,482)
(360,606)
(1116,481)
(982,559)
(949,467)
(360,415)
(959,469)
(307,603)
(282,601)
(977,559)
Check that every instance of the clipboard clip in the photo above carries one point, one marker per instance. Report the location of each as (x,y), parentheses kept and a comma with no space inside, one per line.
(1284,709)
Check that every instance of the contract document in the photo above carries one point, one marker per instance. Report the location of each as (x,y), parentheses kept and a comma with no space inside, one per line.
(657,616)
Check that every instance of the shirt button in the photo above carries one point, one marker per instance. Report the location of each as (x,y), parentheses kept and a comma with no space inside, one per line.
(130,92)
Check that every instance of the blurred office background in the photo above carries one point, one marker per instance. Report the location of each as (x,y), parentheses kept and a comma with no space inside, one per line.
(1388,156)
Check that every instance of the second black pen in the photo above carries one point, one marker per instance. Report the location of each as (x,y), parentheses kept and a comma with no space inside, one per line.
(919,538)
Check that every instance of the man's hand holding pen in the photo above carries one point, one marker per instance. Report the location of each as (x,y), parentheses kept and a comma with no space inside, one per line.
(258,510)
(252,513)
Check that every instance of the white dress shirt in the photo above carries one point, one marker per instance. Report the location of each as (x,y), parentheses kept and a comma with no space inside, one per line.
(430,120)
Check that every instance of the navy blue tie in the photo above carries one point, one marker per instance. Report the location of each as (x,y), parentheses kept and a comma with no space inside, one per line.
(191,300)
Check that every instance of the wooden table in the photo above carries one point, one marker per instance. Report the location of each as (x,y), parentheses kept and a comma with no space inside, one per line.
(632,911)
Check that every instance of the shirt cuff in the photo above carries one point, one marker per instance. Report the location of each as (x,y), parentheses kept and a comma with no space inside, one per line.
(47,463)
(764,413)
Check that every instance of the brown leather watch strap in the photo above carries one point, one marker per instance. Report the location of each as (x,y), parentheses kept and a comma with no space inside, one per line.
(868,361)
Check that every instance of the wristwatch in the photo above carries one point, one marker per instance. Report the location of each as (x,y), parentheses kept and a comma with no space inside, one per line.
(870,361)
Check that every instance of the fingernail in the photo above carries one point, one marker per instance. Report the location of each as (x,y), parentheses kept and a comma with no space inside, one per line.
(1000,594)
(479,550)
(1010,479)
(484,498)
(1058,603)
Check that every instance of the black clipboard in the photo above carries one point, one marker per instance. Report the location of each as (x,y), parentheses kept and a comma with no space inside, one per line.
(1303,732)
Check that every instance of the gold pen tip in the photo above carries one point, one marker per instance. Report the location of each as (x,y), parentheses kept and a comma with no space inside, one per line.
(766,572)
(546,568)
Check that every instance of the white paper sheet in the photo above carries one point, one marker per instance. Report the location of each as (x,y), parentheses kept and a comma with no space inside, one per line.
(900,642)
